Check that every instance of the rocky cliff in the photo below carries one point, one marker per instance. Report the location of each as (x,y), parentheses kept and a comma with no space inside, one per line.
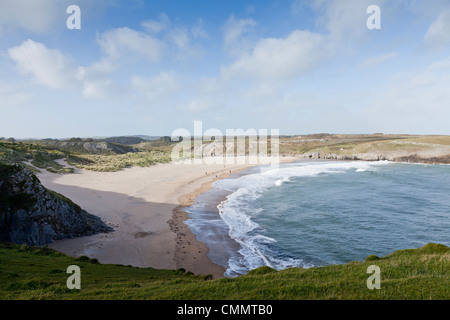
(31,214)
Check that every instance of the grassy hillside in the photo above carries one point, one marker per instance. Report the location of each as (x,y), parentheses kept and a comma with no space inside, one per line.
(98,156)
(109,155)
(110,163)
(40,273)
(355,144)
(39,156)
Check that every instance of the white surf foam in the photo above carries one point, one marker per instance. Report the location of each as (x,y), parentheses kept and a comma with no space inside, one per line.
(239,208)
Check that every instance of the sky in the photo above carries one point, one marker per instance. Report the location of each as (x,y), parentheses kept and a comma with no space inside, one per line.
(150,67)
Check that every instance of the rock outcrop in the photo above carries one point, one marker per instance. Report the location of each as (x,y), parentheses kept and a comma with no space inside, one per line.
(33,215)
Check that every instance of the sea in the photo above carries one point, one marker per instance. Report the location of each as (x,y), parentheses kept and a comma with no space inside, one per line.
(317,213)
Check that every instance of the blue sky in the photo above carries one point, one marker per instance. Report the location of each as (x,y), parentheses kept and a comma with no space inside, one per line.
(150,67)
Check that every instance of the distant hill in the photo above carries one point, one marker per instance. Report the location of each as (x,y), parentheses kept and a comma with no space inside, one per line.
(94,147)
(124,140)
(127,140)
(148,138)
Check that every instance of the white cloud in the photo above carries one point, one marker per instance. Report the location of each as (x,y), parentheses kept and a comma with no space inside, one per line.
(49,67)
(156,26)
(43,16)
(438,34)
(180,37)
(198,30)
(125,45)
(428,9)
(210,94)
(198,104)
(234,30)
(55,70)
(185,46)
(34,16)
(128,44)
(97,89)
(121,47)
(155,89)
(415,102)
(297,6)
(97,81)
(345,19)
(275,59)
(439,65)
(373,62)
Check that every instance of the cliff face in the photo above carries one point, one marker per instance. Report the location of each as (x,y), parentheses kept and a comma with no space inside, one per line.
(31,214)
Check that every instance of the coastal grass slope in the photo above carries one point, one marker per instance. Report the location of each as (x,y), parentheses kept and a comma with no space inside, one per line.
(94,156)
(403,148)
(40,273)
(114,154)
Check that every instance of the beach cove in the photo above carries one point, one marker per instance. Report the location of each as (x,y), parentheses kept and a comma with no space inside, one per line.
(144,207)
(172,216)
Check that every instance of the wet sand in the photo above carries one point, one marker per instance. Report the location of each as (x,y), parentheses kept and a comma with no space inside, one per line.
(191,254)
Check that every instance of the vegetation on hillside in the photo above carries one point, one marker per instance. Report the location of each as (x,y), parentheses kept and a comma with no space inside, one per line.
(24,154)
(83,153)
(117,162)
(40,273)
(365,144)
(110,155)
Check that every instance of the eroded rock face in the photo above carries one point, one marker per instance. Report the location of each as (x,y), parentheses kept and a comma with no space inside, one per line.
(31,214)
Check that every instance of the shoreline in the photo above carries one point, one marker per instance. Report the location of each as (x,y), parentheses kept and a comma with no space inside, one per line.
(215,201)
(146,208)
(139,203)
(190,253)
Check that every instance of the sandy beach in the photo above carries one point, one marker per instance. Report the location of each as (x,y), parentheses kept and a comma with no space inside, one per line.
(144,206)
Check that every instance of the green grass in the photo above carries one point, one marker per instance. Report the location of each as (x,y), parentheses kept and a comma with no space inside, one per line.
(360,144)
(65,199)
(40,157)
(442,140)
(45,160)
(327,143)
(40,273)
(119,161)
(43,157)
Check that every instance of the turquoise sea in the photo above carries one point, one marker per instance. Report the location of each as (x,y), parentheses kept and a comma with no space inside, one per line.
(316,213)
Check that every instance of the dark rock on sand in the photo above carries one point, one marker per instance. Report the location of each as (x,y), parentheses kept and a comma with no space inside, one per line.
(33,215)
